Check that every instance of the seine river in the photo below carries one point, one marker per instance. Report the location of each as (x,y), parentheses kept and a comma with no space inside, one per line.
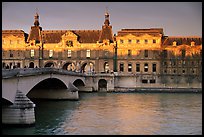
(118,114)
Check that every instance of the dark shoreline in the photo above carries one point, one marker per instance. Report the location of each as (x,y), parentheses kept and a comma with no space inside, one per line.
(158,90)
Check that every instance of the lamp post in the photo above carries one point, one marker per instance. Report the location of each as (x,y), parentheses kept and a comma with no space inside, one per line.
(115,57)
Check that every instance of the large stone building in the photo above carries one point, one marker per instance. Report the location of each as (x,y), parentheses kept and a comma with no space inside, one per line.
(139,57)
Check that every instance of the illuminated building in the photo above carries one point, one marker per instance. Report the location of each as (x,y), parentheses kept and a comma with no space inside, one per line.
(146,54)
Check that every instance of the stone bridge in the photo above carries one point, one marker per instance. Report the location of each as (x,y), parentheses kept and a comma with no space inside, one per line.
(18,86)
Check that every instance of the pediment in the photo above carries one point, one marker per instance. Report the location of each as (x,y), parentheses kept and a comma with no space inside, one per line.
(130,36)
(11,37)
(146,36)
(69,34)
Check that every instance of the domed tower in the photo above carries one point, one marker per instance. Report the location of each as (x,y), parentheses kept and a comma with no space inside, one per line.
(106,33)
(36,22)
(35,32)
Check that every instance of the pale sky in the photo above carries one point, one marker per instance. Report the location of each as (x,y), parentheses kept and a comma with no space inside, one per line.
(176,18)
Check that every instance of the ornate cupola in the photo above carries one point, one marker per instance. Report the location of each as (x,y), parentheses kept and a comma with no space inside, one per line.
(36,23)
(107,22)
(35,32)
(106,33)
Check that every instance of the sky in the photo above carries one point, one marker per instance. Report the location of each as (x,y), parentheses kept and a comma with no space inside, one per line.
(176,18)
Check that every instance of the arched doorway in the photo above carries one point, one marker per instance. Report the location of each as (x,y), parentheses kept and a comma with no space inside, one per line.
(87,67)
(31,65)
(69,66)
(102,85)
(49,64)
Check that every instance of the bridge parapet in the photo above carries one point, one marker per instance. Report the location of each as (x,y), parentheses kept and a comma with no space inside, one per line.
(9,73)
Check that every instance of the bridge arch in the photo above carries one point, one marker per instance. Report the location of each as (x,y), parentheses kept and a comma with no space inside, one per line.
(46,88)
(50,83)
(102,85)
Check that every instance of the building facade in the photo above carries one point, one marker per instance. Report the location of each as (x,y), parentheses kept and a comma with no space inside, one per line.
(138,57)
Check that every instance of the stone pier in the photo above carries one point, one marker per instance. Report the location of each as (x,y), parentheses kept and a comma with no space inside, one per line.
(21,112)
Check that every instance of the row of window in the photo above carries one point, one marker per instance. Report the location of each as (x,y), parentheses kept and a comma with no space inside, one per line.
(192,71)
(174,63)
(69,53)
(138,41)
(138,69)
(11,42)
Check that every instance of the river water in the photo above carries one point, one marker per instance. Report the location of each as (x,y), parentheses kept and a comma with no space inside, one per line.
(118,114)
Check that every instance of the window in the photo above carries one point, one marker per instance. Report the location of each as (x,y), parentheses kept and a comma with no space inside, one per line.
(137,67)
(129,52)
(174,71)
(153,67)
(3,65)
(129,41)
(11,42)
(50,53)
(164,63)
(164,54)
(18,65)
(79,54)
(146,41)
(137,41)
(32,53)
(154,41)
(106,54)
(121,41)
(11,54)
(165,71)
(145,53)
(145,67)
(18,41)
(183,52)
(88,53)
(152,81)
(69,53)
(121,67)
(144,81)
(19,53)
(183,71)
(129,67)
(173,62)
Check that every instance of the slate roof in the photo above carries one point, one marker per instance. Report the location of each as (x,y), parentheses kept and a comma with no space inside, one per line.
(35,33)
(84,36)
(182,40)
(17,33)
(106,34)
(139,32)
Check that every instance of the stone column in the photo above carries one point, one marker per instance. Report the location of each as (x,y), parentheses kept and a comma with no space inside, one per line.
(21,112)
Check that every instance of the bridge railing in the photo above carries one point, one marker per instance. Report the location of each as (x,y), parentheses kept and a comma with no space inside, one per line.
(8,73)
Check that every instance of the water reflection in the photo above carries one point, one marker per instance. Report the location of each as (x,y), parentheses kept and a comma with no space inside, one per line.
(118,114)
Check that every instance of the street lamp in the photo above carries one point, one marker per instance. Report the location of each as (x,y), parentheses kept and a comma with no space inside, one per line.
(115,57)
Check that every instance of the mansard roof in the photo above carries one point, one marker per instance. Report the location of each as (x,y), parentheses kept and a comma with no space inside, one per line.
(16,33)
(35,33)
(84,36)
(106,33)
(87,36)
(182,40)
(52,36)
(139,32)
